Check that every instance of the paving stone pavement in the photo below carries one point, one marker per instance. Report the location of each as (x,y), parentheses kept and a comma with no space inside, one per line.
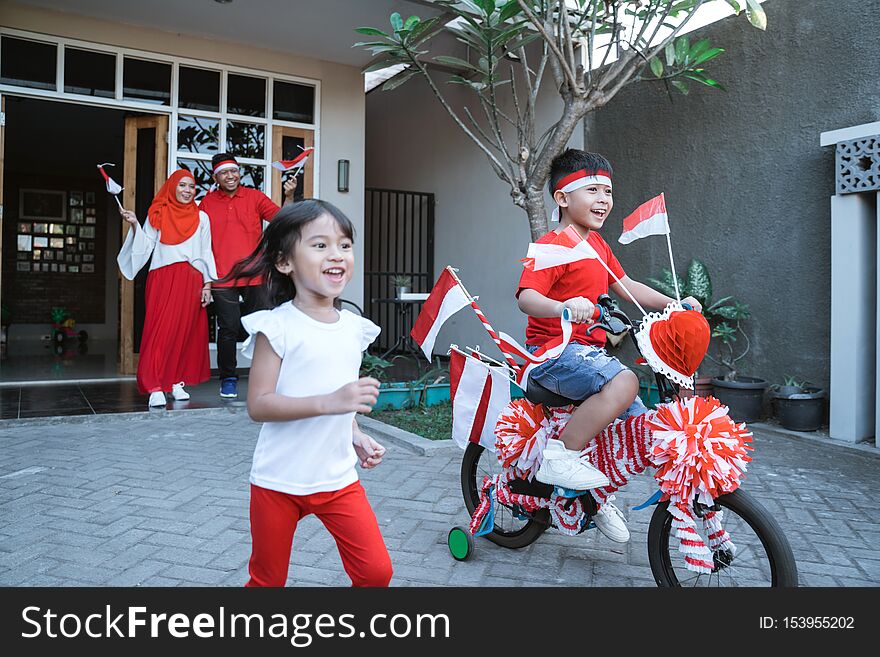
(161,499)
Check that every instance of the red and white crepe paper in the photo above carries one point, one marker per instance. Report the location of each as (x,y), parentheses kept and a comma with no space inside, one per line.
(113,187)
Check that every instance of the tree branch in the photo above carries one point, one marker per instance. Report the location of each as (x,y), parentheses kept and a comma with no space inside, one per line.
(567,73)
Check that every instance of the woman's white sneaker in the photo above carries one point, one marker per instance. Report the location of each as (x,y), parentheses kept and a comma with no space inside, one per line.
(610,521)
(157,398)
(178,392)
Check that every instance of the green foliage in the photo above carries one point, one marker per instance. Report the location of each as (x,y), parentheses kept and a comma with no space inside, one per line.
(789,380)
(684,60)
(58,314)
(401,281)
(433,423)
(725,315)
(374,366)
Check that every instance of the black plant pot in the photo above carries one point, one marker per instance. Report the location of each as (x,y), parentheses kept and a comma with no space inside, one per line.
(801,411)
(744,397)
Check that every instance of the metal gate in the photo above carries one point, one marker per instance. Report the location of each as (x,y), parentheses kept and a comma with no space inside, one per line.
(398,241)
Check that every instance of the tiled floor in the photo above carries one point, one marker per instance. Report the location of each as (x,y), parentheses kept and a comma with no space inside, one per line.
(30,401)
(40,360)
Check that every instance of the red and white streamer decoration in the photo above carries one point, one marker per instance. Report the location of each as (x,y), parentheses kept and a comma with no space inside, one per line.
(522,432)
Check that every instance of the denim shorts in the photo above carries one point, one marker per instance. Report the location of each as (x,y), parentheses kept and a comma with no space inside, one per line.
(581,371)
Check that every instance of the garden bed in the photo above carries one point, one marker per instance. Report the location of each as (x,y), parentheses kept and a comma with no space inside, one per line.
(433,423)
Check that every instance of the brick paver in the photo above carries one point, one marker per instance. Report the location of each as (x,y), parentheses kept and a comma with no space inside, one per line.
(161,500)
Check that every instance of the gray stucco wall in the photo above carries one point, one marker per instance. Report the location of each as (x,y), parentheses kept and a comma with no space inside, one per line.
(747,185)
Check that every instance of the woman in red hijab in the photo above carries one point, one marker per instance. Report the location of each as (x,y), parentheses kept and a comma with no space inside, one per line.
(174,343)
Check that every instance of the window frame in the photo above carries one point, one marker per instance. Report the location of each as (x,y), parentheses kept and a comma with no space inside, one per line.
(172,110)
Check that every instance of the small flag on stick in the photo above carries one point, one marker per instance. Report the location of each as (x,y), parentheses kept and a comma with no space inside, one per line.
(296,164)
(567,247)
(446,299)
(649,218)
(113,187)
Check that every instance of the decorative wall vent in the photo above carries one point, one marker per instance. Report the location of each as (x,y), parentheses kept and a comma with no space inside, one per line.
(858,165)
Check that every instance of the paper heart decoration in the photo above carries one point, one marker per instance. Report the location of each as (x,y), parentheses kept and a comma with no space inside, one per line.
(681,340)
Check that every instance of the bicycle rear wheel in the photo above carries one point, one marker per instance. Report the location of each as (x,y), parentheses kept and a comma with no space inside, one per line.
(763,556)
(510,531)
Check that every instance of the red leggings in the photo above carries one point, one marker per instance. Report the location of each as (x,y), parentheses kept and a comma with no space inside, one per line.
(347,515)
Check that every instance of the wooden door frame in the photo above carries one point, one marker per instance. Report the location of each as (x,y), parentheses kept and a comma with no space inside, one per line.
(127,358)
(308,137)
(2,160)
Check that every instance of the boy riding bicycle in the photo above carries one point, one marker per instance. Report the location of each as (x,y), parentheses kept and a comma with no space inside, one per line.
(580,183)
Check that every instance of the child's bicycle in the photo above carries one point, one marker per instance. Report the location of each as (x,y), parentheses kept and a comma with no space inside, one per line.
(687,543)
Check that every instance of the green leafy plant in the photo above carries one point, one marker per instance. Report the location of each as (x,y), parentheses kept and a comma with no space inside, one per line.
(401,281)
(375,367)
(584,51)
(725,316)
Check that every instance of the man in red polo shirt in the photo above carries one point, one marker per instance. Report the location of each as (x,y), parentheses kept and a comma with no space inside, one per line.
(237,214)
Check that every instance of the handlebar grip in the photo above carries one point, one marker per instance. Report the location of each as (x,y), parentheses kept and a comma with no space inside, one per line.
(598,314)
(687,306)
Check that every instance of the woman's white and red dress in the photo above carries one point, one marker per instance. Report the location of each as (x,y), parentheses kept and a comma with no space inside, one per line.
(174,342)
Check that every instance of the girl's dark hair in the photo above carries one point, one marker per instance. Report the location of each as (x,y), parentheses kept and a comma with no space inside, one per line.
(278,242)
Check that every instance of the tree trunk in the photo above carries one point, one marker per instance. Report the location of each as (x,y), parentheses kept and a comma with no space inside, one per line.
(537,211)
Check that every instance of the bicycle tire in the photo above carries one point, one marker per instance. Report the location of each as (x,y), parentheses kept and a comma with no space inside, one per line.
(780,569)
(470,488)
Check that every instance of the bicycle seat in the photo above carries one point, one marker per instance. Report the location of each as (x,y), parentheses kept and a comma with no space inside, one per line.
(538,394)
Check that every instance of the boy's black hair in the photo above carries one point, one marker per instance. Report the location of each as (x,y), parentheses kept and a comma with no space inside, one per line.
(277,243)
(573,160)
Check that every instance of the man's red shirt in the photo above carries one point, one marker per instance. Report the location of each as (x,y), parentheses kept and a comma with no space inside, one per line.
(584,278)
(236,227)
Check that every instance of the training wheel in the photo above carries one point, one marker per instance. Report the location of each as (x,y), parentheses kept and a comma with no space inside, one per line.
(461,543)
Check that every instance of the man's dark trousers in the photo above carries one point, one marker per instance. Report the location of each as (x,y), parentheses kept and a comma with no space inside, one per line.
(229,313)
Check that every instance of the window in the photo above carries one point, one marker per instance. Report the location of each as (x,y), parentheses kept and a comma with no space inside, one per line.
(293,102)
(90,73)
(148,82)
(28,63)
(245,95)
(246,139)
(198,134)
(198,89)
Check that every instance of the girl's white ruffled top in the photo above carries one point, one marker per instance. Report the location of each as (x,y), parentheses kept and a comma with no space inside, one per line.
(314,454)
(143,241)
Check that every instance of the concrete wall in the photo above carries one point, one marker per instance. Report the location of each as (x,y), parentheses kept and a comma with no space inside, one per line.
(747,185)
(342,127)
(413,144)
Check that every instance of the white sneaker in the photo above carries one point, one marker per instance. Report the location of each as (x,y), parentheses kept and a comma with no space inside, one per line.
(610,521)
(178,392)
(157,398)
(569,468)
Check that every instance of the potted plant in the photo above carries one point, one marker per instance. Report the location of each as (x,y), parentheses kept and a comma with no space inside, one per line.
(436,385)
(394,394)
(402,283)
(799,406)
(743,395)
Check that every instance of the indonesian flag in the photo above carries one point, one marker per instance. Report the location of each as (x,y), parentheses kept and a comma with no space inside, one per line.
(446,299)
(479,394)
(296,163)
(648,219)
(112,186)
(567,247)
(551,349)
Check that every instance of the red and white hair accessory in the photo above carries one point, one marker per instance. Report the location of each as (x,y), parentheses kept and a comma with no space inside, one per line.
(222,165)
(674,342)
(577,180)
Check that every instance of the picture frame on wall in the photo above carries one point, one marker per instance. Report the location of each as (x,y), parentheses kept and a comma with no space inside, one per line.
(23,255)
(23,266)
(24,227)
(37,254)
(36,266)
(48,254)
(56,229)
(76,215)
(45,266)
(54,267)
(56,242)
(90,212)
(41,242)
(76,199)
(62,268)
(91,246)
(25,242)
(70,230)
(74,269)
(42,204)
(41,228)
(71,241)
(90,219)
(88,257)
(87,231)
(90,198)
(88,269)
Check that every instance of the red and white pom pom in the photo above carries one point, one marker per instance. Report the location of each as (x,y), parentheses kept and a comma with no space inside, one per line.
(567,514)
(699,452)
(522,432)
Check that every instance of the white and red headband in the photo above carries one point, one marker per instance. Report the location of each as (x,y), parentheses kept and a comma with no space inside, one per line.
(222,165)
(577,180)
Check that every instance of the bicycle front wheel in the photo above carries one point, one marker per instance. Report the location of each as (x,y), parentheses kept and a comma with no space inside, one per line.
(510,530)
(763,556)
